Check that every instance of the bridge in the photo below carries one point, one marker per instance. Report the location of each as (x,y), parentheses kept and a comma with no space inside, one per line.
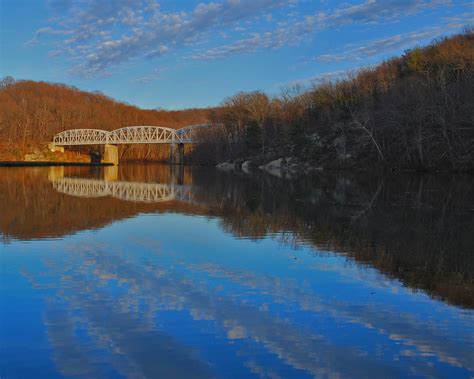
(128,191)
(130,135)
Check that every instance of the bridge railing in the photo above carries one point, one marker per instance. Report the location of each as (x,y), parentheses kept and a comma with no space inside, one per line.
(81,137)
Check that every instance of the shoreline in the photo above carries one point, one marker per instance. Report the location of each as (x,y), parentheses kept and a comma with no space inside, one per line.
(48,163)
(292,167)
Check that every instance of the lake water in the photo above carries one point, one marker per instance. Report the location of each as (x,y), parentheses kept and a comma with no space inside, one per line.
(148,271)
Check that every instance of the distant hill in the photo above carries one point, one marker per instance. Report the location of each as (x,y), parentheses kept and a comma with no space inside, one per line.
(31,113)
(34,111)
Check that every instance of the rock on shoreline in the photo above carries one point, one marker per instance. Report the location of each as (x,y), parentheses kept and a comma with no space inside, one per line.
(281,167)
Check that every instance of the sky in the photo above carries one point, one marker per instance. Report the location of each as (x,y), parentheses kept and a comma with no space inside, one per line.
(176,54)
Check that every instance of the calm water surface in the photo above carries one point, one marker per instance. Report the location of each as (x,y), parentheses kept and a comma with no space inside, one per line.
(151,272)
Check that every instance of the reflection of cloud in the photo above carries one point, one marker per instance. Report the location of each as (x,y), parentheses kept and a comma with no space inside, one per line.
(236,332)
(262,372)
(143,290)
(71,358)
(133,348)
(116,299)
(422,336)
(300,350)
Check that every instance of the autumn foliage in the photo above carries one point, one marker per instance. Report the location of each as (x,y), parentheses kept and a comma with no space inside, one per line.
(32,113)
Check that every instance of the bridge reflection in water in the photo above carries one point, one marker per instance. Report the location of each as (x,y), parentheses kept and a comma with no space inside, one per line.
(123,190)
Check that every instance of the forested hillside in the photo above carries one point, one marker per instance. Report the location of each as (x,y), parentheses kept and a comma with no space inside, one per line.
(32,112)
(411,112)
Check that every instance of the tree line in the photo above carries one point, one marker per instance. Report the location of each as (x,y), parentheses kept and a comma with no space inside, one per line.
(412,112)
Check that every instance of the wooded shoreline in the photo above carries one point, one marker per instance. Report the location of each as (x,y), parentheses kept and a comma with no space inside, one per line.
(410,113)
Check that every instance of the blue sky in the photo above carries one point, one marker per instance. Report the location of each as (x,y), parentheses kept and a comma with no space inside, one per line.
(193,53)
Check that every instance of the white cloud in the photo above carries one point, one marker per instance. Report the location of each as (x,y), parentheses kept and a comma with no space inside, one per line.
(156,74)
(98,36)
(384,45)
(370,11)
(104,34)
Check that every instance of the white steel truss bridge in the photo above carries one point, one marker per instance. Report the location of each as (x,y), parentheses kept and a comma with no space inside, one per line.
(129,135)
(128,191)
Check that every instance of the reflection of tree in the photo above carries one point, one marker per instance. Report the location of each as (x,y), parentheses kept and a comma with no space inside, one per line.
(417,229)
(31,208)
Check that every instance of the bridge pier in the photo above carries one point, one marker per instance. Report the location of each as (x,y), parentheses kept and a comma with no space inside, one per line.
(111,154)
(177,153)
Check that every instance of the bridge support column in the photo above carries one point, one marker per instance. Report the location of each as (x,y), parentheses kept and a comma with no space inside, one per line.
(111,154)
(177,153)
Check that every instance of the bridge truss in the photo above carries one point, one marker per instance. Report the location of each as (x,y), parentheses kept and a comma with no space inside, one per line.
(129,135)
